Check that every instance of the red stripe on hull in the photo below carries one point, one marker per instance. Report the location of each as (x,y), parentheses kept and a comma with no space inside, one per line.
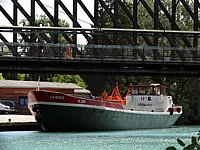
(46,96)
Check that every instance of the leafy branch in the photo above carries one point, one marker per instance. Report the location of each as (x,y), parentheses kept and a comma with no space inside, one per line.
(193,146)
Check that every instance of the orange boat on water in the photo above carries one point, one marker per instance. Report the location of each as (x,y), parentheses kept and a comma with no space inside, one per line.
(144,107)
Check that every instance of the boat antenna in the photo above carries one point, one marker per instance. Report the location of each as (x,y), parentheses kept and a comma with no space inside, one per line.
(38,84)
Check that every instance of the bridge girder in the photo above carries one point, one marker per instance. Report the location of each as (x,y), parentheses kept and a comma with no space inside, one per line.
(116,11)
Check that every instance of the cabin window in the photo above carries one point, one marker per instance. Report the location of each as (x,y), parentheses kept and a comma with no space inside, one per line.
(148,90)
(157,90)
(142,91)
(151,90)
(134,91)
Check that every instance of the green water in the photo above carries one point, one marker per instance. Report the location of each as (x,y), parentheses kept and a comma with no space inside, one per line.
(157,139)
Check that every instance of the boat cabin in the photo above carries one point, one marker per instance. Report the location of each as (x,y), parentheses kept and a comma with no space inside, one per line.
(153,89)
(148,98)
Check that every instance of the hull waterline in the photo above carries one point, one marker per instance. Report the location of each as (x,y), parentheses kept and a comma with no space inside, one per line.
(70,118)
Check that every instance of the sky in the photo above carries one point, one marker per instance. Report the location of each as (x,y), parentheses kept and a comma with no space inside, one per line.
(49,4)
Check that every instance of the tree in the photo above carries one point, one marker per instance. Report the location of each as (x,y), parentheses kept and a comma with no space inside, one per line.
(76,79)
(44,21)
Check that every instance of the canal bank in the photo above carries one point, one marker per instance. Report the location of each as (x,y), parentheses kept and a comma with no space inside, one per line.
(18,123)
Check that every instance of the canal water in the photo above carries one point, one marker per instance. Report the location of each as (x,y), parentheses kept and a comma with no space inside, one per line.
(156,139)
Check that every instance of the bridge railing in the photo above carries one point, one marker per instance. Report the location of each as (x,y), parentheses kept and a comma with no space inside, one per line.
(99,52)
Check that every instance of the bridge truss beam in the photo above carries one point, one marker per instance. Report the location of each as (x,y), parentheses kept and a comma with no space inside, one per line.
(116,14)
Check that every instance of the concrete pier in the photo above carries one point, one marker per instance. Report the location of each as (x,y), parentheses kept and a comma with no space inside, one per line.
(18,123)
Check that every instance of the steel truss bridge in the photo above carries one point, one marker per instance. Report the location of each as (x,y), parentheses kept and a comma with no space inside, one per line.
(126,48)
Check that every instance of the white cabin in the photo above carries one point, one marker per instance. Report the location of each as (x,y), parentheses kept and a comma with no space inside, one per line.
(150,98)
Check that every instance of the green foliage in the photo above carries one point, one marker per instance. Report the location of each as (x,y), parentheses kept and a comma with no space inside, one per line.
(21,77)
(97,84)
(33,77)
(180,142)
(193,146)
(183,20)
(43,20)
(1,76)
(10,76)
(76,79)
(185,92)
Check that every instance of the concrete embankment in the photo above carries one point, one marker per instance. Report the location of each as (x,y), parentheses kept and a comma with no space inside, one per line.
(18,123)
